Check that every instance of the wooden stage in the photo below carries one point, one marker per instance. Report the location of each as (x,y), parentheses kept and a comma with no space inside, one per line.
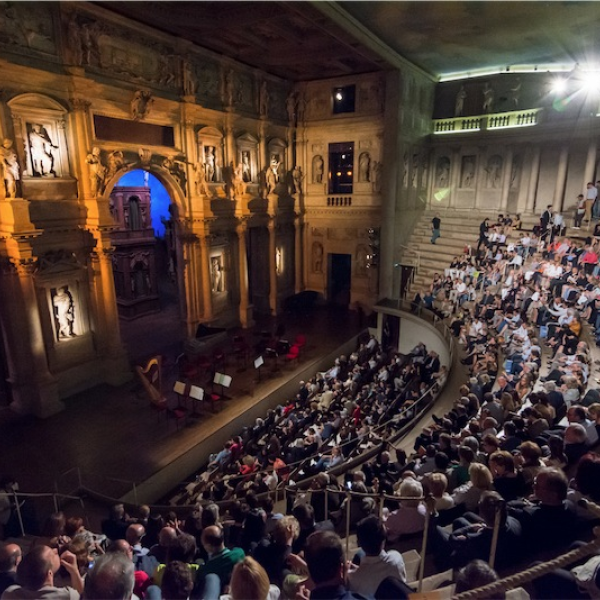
(109,438)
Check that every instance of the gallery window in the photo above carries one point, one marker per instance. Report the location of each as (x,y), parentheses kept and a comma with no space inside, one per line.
(344,99)
(341,165)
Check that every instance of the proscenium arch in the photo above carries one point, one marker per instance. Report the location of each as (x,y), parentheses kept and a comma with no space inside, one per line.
(177,197)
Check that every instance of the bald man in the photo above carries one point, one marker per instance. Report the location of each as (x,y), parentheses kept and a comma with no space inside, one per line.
(220,563)
(166,538)
(10,557)
(35,575)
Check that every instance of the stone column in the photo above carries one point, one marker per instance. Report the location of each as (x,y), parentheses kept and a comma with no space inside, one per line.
(299,281)
(533,179)
(189,244)
(113,354)
(455,167)
(561,178)
(245,317)
(207,313)
(506,180)
(590,164)
(229,146)
(272,268)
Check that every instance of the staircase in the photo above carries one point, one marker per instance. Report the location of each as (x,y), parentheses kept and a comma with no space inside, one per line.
(458,229)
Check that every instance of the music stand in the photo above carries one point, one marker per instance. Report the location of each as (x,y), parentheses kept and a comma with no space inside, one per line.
(258,363)
(224,381)
(197,394)
(179,389)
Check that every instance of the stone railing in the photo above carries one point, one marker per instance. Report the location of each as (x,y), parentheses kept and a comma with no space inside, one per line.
(516,118)
(339,200)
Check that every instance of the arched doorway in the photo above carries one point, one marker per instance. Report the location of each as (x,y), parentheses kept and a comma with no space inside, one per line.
(146,263)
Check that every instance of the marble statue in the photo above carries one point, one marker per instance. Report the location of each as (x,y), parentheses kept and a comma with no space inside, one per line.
(515,93)
(216,272)
(317,257)
(65,312)
(298,177)
(263,99)
(488,98)
(10,168)
(209,163)
(141,104)
(364,167)
(239,187)
(116,162)
(318,166)
(246,170)
(190,85)
(468,172)
(96,169)
(375,175)
(291,105)
(443,172)
(272,177)
(200,179)
(494,172)
(41,149)
(459,106)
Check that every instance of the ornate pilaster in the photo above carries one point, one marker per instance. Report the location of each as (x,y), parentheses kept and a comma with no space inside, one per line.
(298,227)
(533,179)
(506,179)
(561,178)
(207,303)
(272,268)
(590,163)
(189,249)
(244,308)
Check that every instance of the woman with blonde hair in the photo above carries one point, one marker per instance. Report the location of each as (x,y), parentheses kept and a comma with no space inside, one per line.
(468,494)
(249,581)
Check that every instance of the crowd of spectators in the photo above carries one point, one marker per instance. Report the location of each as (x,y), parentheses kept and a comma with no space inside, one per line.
(515,452)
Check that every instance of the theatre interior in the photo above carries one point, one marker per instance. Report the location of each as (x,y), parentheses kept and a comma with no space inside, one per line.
(209,210)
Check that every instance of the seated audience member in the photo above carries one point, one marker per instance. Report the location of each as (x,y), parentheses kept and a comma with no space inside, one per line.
(142,579)
(249,581)
(36,573)
(471,537)
(305,515)
(112,578)
(326,564)
(476,574)
(575,443)
(166,539)
(480,480)
(220,562)
(585,485)
(273,555)
(409,517)
(376,564)
(177,581)
(10,557)
(115,526)
(438,485)
(550,489)
(508,481)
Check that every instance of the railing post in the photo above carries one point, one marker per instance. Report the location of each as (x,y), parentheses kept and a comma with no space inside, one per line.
(348,500)
(19,516)
(326,503)
(424,550)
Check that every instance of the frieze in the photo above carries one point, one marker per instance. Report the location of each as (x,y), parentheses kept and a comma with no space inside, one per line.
(28,31)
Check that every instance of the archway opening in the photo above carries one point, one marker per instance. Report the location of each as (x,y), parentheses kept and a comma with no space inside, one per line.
(145,263)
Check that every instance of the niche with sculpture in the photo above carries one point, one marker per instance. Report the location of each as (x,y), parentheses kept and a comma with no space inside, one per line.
(247,158)
(210,154)
(40,130)
(217,273)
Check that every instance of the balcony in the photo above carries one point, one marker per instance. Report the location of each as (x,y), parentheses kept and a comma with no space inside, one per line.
(507,120)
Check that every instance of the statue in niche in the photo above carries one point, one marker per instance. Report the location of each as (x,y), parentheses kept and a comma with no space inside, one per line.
(415,170)
(459,105)
(229,87)
(515,171)
(96,169)
(141,104)
(83,42)
(298,177)
(228,179)
(375,175)
(209,158)
(278,261)
(41,149)
(317,257)
(200,179)
(515,93)
(488,98)
(364,164)
(239,187)
(10,168)
(442,173)
(246,170)
(263,99)
(272,177)
(216,273)
(318,166)
(494,172)
(468,172)
(301,110)
(166,70)
(405,172)
(291,105)
(64,312)
(361,260)
(190,85)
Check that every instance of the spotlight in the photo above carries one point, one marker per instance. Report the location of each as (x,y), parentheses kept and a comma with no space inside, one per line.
(338,96)
(559,85)
(591,81)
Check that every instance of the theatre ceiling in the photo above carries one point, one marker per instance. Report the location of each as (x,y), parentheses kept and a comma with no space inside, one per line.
(316,40)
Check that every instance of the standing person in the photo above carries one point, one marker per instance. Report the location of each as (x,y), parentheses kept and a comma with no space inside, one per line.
(545,222)
(590,197)
(579,212)
(596,206)
(436,223)
(483,227)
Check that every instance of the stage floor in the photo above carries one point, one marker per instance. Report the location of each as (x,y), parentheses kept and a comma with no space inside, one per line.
(110,437)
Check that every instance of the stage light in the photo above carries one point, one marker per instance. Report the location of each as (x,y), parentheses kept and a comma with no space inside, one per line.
(591,81)
(559,85)
(338,96)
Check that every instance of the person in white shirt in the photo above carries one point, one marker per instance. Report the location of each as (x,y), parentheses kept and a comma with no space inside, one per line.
(375,563)
(590,197)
